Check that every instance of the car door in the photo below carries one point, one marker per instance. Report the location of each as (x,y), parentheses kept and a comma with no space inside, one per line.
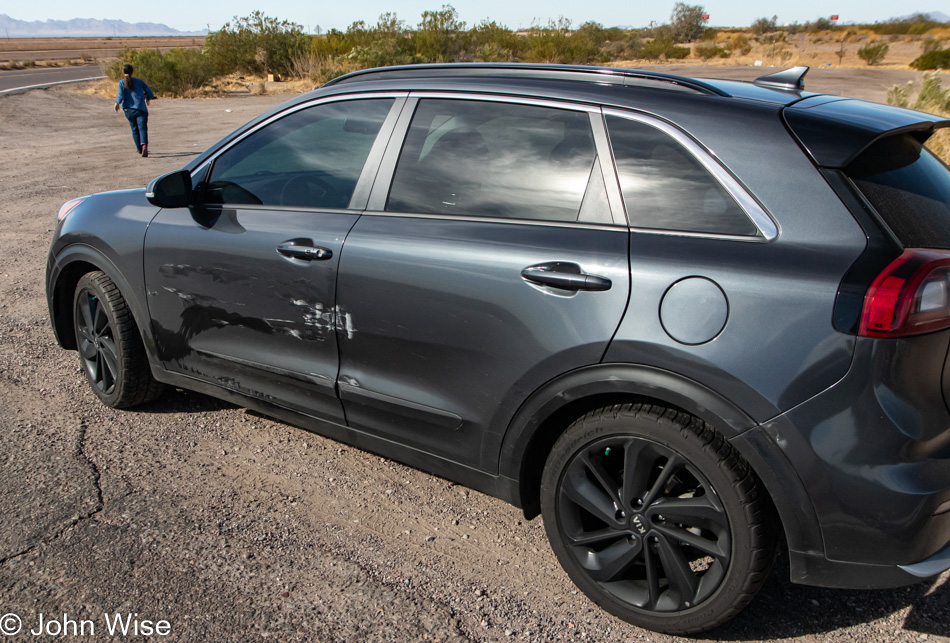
(242,285)
(490,263)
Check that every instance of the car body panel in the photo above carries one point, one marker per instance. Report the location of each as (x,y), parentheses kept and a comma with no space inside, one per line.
(227,307)
(444,321)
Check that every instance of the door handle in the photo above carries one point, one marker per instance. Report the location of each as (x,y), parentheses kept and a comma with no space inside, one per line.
(304,249)
(565,276)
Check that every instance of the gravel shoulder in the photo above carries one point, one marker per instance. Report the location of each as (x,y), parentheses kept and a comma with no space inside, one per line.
(231,526)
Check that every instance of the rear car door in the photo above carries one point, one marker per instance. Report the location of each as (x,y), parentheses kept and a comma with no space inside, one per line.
(489,261)
(242,286)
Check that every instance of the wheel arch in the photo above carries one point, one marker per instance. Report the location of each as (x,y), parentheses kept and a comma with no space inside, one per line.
(550,410)
(64,274)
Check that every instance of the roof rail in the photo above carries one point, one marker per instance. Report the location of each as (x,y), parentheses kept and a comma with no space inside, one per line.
(793,78)
(615,75)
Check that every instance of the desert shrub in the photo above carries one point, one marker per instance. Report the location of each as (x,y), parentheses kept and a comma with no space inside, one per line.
(707,50)
(933,97)
(172,74)
(437,37)
(659,48)
(820,24)
(914,25)
(899,95)
(740,43)
(321,69)
(873,53)
(932,60)
(256,44)
(764,25)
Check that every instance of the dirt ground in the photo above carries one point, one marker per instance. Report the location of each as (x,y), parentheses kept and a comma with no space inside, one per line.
(233,527)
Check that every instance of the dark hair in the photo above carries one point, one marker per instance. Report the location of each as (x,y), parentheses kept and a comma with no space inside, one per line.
(127,70)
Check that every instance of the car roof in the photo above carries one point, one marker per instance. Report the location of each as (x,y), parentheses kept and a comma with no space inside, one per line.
(696,104)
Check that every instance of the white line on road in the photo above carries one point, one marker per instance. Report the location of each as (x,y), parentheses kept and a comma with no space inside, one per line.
(61,82)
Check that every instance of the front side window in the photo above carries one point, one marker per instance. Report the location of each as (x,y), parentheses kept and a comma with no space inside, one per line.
(492,159)
(310,158)
(666,188)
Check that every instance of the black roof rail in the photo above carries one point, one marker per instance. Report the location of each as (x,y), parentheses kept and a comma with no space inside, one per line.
(616,75)
(793,78)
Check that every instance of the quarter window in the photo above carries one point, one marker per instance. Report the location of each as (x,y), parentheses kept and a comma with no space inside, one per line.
(310,158)
(493,159)
(666,188)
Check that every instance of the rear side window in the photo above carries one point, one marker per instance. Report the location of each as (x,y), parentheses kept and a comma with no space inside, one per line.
(665,188)
(909,187)
(310,158)
(492,159)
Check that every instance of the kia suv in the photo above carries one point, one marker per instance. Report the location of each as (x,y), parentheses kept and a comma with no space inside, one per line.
(687,321)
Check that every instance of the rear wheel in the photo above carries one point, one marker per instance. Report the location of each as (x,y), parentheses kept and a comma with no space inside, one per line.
(656,518)
(110,348)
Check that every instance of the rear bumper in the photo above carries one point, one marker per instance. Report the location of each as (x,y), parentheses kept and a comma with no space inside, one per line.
(872,454)
(815,569)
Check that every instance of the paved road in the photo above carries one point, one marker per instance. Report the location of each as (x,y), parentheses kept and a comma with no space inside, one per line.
(29,77)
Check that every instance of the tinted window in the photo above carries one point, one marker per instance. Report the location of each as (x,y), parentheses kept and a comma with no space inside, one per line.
(496,160)
(664,186)
(910,189)
(311,158)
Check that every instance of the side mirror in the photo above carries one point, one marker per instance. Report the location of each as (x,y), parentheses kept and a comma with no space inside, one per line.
(172,190)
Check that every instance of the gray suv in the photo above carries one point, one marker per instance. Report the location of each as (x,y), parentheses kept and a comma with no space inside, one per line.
(687,321)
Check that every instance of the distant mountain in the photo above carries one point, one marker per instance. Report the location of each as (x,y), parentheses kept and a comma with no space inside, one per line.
(85,28)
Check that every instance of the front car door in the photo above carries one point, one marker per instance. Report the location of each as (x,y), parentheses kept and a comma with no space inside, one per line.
(242,285)
(489,261)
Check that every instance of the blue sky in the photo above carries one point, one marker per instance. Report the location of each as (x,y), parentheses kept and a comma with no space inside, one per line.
(188,15)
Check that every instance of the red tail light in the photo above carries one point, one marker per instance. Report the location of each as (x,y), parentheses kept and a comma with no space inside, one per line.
(911,296)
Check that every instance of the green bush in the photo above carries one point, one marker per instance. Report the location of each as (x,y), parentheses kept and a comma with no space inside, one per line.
(914,25)
(932,60)
(663,48)
(256,44)
(764,25)
(707,50)
(932,97)
(873,53)
(172,74)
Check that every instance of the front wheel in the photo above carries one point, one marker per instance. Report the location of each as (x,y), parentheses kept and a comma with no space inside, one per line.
(657,518)
(110,348)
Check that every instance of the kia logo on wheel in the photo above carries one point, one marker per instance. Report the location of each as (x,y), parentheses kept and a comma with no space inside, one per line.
(639,524)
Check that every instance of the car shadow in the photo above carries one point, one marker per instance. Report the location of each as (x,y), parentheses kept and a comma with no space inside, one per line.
(783,609)
(176,400)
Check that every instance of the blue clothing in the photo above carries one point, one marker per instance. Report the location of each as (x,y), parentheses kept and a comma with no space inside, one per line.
(139,122)
(134,98)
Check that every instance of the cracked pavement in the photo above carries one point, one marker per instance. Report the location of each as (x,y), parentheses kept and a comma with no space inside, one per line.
(235,527)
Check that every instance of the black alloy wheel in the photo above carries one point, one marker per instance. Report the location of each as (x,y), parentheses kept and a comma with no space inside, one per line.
(110,348)
(96,342)
(656,518)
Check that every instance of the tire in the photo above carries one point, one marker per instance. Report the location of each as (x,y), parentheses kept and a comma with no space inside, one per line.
(657,518)
(109,345)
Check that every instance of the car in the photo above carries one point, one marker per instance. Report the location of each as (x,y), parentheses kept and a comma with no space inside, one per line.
(690,322)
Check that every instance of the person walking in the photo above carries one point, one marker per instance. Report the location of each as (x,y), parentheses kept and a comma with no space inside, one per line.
(134,97)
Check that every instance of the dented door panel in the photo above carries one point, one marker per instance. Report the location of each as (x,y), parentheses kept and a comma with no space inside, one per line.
(229,307)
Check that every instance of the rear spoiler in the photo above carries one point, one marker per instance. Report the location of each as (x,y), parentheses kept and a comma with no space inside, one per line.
(835,130)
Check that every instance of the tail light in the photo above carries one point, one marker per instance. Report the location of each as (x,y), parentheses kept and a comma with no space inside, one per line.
(911,296)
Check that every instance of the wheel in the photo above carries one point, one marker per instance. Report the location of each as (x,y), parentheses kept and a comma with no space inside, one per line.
(657,518)
(110,348)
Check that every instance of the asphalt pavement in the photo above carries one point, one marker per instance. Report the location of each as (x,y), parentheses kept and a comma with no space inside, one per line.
(23,78)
